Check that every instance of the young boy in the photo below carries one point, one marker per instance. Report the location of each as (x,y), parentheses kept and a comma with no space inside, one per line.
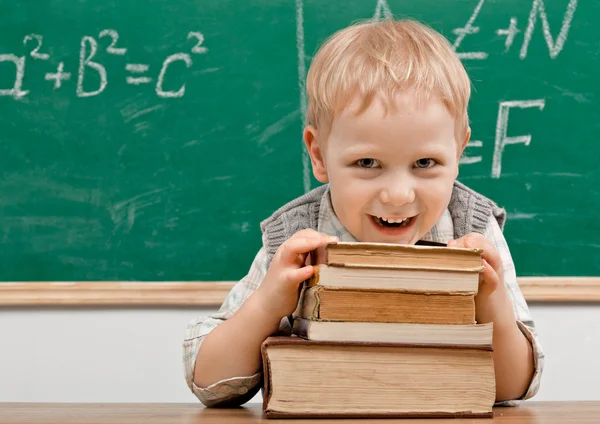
(387,114)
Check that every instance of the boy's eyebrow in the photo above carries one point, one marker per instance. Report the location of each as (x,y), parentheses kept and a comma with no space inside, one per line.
(366,149)
(431,151)
(361,149)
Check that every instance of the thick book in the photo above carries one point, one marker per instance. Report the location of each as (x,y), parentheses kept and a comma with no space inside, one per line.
(305,378)
(323,303)
(472,335)
(389,255)
(415,280)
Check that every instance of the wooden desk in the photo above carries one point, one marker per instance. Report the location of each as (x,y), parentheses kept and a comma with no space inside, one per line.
(156,413)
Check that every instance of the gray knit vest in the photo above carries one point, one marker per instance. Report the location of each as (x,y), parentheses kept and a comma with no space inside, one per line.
(470,212)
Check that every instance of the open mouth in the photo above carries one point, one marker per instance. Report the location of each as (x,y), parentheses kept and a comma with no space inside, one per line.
(392,223)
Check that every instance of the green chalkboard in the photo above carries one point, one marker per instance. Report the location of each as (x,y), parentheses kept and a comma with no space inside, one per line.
(146,140)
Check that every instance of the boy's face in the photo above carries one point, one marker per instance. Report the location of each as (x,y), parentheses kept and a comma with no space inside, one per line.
(391,175)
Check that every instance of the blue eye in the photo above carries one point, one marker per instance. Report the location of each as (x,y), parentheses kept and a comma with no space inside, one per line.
(367,163)
(425,163)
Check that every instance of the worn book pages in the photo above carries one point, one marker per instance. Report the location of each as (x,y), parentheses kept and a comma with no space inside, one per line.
(322,379)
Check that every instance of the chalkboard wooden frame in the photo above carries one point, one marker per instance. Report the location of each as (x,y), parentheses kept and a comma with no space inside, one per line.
(212,294)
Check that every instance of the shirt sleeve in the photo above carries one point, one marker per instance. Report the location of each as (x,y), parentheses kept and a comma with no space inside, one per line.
(237,390)
(524,320)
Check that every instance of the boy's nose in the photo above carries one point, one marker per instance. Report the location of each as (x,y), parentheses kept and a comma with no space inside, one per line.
(398,194)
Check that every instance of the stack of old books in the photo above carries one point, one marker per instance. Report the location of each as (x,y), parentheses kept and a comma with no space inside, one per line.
(384,330)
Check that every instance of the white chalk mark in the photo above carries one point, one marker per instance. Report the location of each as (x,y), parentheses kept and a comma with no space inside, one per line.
(206,71)
(16,90)
(579,97)
(501,127)
(87,62)
(142,112)
(130,217)
(554,47)
(35,53)
(161,77)
(382,11)
(560,174)
(138,80)
(112,49)
(198,48)
(136,67)
(467,30)
(141,127)
(520,175)
(510,34)
(191,143)
(59,76)
(302,89)
(472,55)
(467,160)
(520,215)
(123,210)
(277,127)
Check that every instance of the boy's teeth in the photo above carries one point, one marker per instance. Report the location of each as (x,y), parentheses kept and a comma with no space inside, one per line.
(392,221)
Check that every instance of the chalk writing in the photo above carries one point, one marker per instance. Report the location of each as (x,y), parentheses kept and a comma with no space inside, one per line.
(198,48)
(85,61)
(306,170)
(114,35)
(538,8)
(19,62)
(59,76)
(92,69)
(137,68)
(35,53)
(382,11)
(501,127)
(467,160)
(554,47)
(510,33)
(168,61)
(466,30)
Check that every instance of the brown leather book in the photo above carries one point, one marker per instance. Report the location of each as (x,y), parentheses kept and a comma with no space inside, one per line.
(305,378)
(322,303)
(388,255)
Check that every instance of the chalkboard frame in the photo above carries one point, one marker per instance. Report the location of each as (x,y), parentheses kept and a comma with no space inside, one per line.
(212,294)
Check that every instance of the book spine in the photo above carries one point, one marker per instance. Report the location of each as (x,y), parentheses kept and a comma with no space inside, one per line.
(319,256)
(266,374)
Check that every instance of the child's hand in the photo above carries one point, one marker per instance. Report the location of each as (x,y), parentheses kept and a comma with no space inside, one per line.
(491,299)
(492,275)
(279,290)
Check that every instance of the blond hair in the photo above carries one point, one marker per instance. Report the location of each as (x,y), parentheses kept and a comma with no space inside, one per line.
(385,58)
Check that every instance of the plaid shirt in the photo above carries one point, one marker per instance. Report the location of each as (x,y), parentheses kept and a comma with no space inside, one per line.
(237,388)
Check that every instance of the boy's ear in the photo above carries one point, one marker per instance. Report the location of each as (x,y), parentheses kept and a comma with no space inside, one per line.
(461,149)
(316,154)
(465,142)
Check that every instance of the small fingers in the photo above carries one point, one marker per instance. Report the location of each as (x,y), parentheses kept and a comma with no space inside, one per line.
(297,276)
(469,241)
(298,246)
(478,241)
(490,253)
(489,277)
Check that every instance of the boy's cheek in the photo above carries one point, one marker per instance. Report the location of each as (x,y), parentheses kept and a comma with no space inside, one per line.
(438,190)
